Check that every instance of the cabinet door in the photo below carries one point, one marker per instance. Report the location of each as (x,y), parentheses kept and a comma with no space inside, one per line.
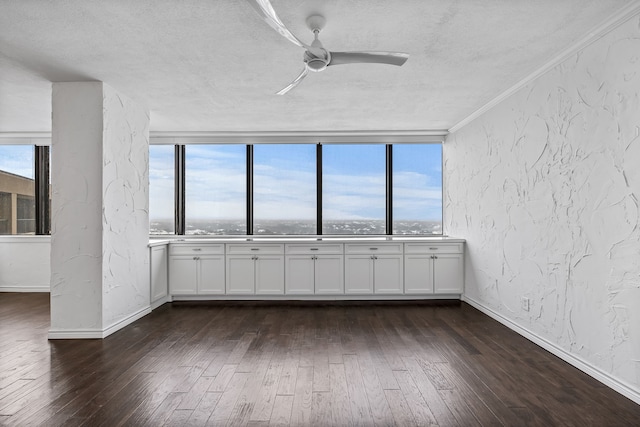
(299,274)
(182,275)
(448,275)
(159,271)
(329,274)
(387,274)
(240,275)
(211,275)
(358,274)
(418,274)
(269,275)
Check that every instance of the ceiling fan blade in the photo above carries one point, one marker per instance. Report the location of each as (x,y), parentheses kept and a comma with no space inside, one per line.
(266,12)
(391,58)
(294,83)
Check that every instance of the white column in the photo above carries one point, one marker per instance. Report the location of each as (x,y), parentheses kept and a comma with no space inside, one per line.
(99,216)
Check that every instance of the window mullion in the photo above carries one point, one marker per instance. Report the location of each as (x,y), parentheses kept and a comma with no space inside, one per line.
(43,207)
(249,189)
(389,189)
(319,189)
(179,217)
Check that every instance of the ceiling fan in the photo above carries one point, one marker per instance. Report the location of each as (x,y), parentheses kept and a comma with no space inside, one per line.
(316,57)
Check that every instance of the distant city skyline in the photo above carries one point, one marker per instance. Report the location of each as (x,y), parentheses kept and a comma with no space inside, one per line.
(284,182)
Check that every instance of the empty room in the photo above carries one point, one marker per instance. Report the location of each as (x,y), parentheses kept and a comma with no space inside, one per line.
(204,222)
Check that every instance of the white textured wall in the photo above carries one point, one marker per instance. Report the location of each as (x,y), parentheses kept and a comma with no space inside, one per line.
(125,208)
(99,237)
(24,263)
(76,207)
(545,187)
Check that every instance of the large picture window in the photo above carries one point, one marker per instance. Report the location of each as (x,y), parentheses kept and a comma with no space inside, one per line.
(353,189)
(161,189)
(215,186)
(296,189)
(17,190)
(284,189)
(417,189)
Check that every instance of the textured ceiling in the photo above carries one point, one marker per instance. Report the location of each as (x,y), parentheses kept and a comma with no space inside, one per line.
(213,65)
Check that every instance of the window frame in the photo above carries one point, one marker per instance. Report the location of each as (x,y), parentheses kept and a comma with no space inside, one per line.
(180,168)
(42,177)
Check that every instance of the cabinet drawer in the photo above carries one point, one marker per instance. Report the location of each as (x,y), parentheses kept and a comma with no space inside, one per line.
(433,248)
(196,249)
(363,248)
(314,249)
(260,248)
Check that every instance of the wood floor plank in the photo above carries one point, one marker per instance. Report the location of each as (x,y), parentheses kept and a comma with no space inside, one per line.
(203,411)
(359,403)
(380,411)
(303,397)
(400,408)
(281,415)
(321,409)
(321,366)
(223,410)
(437,406)
(419,408)
(340,408)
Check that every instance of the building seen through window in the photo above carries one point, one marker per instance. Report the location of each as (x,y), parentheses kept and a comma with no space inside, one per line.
(17,190)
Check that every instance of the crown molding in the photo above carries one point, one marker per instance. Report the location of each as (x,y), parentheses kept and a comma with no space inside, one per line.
(598,32)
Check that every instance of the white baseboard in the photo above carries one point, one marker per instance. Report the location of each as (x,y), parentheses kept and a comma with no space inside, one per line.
(319,298)
(44,288)
(607,379)
(126,321)
(161,301)
(97,333)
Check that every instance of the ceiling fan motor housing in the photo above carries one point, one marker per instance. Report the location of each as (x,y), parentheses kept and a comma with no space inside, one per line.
(316,64)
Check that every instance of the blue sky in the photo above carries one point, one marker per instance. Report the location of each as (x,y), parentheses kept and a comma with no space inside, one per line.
(284,181)
(17,159)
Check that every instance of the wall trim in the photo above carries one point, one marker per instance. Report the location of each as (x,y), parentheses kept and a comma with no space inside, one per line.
(607,379)
(65,334)
(250,137)
(594,35)
(159,302)
(42,288)
(126,321)
(73,334)
(318,298)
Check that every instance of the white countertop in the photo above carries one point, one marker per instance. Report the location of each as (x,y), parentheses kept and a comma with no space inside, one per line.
(162,240)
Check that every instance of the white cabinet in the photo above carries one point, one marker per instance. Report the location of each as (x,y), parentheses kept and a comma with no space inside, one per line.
(332,267)
(374,268)
(433,268)
(196,269)
(448,273)
(314,269)
(255,269)
(159,272)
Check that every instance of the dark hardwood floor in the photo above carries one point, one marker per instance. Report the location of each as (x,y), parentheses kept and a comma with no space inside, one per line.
(258,364)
